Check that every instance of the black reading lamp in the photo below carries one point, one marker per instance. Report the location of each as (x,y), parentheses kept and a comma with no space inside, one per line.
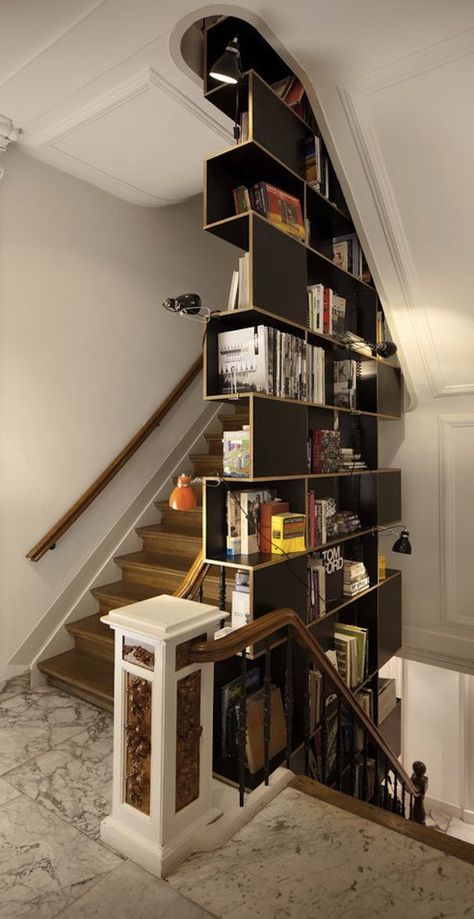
(402,544)
(228,69)
(378,349)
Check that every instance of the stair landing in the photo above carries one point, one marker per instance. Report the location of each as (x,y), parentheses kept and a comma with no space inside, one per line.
(303,857)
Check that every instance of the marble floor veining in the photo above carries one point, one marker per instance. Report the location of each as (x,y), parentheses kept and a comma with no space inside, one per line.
(299,858)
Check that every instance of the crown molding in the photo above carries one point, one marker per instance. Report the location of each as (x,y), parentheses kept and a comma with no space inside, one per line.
(9,134)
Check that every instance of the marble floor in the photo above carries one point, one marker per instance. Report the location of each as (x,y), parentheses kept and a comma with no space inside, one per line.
(299,858)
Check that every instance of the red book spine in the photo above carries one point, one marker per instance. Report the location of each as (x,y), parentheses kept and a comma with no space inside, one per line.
(327,309)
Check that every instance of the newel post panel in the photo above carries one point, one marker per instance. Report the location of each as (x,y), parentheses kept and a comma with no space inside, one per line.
(163,711)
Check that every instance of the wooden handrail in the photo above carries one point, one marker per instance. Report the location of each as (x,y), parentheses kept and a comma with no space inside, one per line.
(193,579)
(267,625)
(50,539)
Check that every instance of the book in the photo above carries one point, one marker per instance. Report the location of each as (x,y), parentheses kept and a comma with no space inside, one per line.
(267,510)
(243,282)
(282,209)
(236,452)
(233,291)
(241,199)
(288,533)
(233,543)
(243,360)
(338,314)
(347,254)
(230,696)
(240,608)
(360,635)
(316,589)
(325,447)
(255,747)
(345,647)
(250,503)
(333,561)
(345,383)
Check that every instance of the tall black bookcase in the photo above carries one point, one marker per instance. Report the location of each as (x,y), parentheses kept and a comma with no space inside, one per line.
(281,268)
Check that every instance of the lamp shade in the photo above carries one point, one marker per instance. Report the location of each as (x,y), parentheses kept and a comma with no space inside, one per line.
(385,348)
(227,68)
(402,544)
(183,498)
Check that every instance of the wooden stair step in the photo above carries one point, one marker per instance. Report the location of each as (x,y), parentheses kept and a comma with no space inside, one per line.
(82,674)
(233,422)
(93,636)
(215,443)
(122,593)
(162,571)
(171,539)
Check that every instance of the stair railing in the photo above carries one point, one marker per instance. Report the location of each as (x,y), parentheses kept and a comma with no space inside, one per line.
(50,539)
(373,773)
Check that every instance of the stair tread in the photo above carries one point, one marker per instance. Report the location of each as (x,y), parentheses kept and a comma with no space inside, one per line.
(163,529)
(212,457)
(82,670)
(91,627)
(125,590)
(196,511)
(146,559)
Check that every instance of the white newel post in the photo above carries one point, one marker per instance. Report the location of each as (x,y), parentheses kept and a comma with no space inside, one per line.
(162,732)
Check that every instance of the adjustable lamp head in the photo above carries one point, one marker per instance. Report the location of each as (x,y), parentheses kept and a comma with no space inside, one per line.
(228,67)
(403,544)
(183,497)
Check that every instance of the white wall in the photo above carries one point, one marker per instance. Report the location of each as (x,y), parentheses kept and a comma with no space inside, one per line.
(87,354)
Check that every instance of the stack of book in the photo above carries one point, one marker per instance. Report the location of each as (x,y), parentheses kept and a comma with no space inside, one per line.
(264,359)
(280,208)
(351,646)
(347,522)
(349,461)
(316,606)
(316,165)
(387,697)
(345,383)
(325,448)
(326,310)
(236,452)
(355,578)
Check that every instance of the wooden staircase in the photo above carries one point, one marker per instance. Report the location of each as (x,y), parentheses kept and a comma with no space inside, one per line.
(168,550)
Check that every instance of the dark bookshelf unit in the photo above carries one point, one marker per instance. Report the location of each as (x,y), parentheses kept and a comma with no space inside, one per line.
(280,268)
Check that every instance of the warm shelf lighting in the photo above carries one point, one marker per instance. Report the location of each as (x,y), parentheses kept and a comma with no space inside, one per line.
(183,497)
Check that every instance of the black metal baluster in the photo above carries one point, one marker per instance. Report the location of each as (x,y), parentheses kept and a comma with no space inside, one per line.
(242,729)
(324,732)
(410,810)
(339,758)
(385,793)
(222,589)
(289,696)
(306,715)
(201,592)
(395,789)
(365,776)
(404,791)
(267,711)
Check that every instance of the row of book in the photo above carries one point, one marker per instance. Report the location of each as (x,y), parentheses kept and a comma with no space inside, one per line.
(326,310)
(316,165)
(326,522)
(279,207)
(331,579)
(347,254)
(264,359)
(325,453)
(258,521)
(355,578)
(351,646)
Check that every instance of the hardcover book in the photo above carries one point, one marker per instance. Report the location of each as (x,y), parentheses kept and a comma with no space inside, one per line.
(325,455)
(283,210)
(236,452)
(267,511)
(243,360)
(288,533)
(250,504)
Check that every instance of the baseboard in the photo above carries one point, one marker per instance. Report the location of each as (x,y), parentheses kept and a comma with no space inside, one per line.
(74,601)
(450,810)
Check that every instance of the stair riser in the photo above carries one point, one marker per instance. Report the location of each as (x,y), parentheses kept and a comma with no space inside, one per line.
(233,422)
(215,444)
(166,580)
(99,701)
(188,520)
(101,649)
(183,547)
(202,466)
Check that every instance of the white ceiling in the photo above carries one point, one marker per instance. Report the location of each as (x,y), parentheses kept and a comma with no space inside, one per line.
(98,90)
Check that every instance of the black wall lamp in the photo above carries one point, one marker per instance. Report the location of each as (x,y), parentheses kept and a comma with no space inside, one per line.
(228,69)
(402,545)
(187,305)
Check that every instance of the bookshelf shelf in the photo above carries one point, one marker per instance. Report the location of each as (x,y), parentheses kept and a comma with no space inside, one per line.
(278,267)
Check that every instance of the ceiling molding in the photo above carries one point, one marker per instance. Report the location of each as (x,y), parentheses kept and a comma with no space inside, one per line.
(448,525)
(437,55)
(355,100)
(121,94)
(111,183)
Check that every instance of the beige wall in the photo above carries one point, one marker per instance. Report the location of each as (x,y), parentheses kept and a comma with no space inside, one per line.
(87,354)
